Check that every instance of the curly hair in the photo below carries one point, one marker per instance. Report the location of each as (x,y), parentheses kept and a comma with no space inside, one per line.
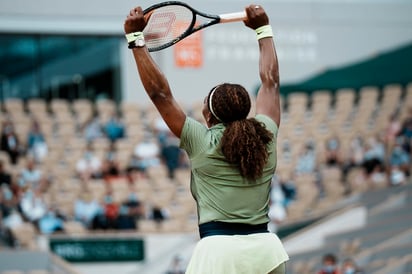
(244,141)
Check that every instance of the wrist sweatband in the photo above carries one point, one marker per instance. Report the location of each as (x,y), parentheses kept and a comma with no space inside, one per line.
(263,32)
(133,36)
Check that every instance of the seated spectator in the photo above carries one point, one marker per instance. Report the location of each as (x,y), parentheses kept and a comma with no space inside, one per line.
(30,176)
(5,177)
(147,153)
(158,214)
(399,165)
(51,222)
(329,265)
(130,210)
(32,205)
(333,154)
(374,161)
(134,169)
(406,131)
(176,266)
(171,153)
(10,142)
(86,209)
(161,130)
(111,211)
(9,214)
(392,130)
(289,190)
(355,159)
(114,128)
(306,163)
(277,211)
(92,129)
(110,164)
(36,143)
(349,267)
(89,166)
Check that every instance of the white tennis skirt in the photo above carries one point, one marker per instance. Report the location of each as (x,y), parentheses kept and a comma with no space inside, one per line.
(258,253)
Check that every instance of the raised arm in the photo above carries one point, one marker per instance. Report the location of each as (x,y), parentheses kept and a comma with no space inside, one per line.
(153,80)
(267,101)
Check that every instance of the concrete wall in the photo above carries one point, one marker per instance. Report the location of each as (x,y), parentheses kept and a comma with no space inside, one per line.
(310,35)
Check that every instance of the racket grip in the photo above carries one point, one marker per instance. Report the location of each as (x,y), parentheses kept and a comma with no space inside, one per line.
(232,17)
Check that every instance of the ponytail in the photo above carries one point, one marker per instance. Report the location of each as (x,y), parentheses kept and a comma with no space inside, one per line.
(244,144)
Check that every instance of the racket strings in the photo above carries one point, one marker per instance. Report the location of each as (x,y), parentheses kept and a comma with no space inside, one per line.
(166,24)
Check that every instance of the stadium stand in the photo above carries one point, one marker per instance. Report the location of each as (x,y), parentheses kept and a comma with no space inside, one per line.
(307,118)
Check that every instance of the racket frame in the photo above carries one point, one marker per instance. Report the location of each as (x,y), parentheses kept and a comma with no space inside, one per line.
(215,19)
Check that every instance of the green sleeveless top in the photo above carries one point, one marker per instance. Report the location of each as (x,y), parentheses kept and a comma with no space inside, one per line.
(221,193)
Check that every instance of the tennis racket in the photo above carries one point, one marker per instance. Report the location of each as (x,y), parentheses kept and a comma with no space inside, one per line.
(170,22)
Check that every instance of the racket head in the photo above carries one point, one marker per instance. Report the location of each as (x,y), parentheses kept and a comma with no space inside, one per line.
(168,23)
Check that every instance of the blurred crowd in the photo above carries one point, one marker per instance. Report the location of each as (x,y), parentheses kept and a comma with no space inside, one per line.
(24,181)
(384,160)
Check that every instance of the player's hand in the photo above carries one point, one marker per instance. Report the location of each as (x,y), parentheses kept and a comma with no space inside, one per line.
(135,21)
(256,16)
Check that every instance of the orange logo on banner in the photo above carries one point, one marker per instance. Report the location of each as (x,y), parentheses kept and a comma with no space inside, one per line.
(189,51)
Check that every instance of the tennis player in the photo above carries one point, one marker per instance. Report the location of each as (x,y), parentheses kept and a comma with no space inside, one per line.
(232,159)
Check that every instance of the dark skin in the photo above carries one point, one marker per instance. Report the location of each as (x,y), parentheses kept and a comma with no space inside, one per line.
(158,89)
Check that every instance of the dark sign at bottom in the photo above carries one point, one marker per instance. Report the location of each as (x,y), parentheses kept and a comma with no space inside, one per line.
(98,249)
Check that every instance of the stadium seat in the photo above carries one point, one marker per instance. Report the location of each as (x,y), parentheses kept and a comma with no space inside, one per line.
(74,228)
(13,106)
(37,107)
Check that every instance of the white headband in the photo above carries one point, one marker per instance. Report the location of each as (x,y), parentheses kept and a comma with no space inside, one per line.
(210,104)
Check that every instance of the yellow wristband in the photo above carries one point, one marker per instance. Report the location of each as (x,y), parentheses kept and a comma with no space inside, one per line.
(133,36)
(263,32)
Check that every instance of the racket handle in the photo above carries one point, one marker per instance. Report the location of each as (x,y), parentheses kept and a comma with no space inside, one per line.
(232,17)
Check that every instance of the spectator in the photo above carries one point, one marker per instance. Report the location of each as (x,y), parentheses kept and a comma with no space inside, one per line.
(33,206)
(392,130)
(111,210)
(30,176)
(333,154)
(171,153)
(89,166)
(288,188)
(147,153)
(349,267)
(10,142)
(36,143)
(158,214)
(134,169)
(9,214)
(51,222)
(277,211)
(161,130)
(306,163)
(406,131)
(374,161)
(92,129)
(5,177)
(130,210)
(399,165)
(86,209)
(329,264)
(110,164)
(114,128)
(176,266)
(355,159)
